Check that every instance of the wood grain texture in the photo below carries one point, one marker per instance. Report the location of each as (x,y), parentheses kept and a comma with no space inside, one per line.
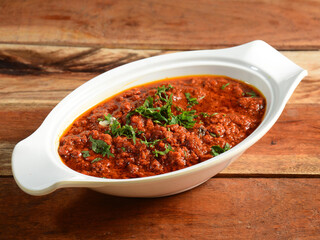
(219,209)
(150,24)
(53,72)
(35,78)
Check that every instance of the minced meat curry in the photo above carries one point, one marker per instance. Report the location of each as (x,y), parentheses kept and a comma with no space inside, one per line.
(162,127)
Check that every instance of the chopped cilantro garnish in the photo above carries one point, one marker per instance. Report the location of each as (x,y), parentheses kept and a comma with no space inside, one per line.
(163,115)
(191,101)
(186,119)
(100,146)
(252,94)
(128,131)
(224,86)
(151,143)
(96,160)
(204,114)
(147,110)
(168,149)
(117,130)
(213,135)
(178,108)
(216,150)
(85,154)
(123,149)
(161,91)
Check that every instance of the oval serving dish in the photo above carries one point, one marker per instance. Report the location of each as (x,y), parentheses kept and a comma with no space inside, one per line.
(36,164)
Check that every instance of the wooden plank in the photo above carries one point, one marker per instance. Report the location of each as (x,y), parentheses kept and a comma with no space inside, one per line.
(252,208)
(183,24)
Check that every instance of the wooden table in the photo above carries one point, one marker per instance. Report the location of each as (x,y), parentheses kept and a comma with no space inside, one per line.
(48,48)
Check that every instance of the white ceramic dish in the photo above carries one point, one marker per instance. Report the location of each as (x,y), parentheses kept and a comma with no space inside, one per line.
(37,167)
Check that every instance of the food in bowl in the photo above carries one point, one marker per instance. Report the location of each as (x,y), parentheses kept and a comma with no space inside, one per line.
(37,167)
(162,127)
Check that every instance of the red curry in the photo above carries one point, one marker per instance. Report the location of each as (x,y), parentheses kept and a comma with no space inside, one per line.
(162,127)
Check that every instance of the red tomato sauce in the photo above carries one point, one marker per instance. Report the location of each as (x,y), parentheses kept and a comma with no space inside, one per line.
(162,127)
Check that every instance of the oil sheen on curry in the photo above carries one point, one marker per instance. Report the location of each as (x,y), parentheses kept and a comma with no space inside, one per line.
(162,127)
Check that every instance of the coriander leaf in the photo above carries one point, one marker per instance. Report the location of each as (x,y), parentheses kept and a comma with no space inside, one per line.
(216,150)
(96,160)
(168,149)
(204,114)
(161,92)
(159,115)
(213,135)
(109,120)
(191,101)
(115,128)
(99,146)
(128,131)
(151,143)
(85,154)
(186,119)
(224,86)
(178,108)
(252,94)
(163,115)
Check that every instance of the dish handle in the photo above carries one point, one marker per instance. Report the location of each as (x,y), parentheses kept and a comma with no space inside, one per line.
(260,56)
(34,171)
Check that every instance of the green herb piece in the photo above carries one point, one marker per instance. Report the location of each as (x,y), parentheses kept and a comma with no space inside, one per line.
(140,132)
(163,115)
(185,154)
(108,120)
(161,92)
(186,119)
(147,110)
(99,146)
(252,94)
(179,109)
(96,160)
(216,150)
(204,114)
(151,143)
(85,154)
(159,115)
(224,86)
(115,128)
(168,149)
(191,101)
(123,149)
(128,131)
(213,135)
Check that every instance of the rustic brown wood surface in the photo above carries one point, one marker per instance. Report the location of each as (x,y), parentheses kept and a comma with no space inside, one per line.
(222,208)
(48,48)
(165,24)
